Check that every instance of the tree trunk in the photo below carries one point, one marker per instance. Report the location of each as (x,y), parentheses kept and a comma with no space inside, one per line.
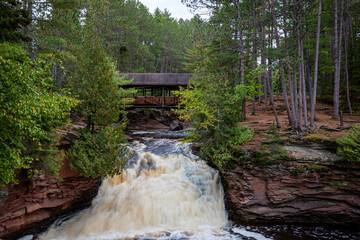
(336,61)
(283,82)
(316,68)
(254,58)
(272,101)
(304,86)
(288,65)
(296,103)
(242,63)
(236,67)
(310,83)
(346,64)
(300,96)
(263,60)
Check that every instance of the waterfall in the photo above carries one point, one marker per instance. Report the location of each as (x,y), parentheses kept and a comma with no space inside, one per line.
(164,191)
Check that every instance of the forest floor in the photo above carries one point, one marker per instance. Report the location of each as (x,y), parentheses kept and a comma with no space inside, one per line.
(264,124)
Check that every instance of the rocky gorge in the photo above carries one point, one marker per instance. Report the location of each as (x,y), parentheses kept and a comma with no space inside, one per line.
(314,186)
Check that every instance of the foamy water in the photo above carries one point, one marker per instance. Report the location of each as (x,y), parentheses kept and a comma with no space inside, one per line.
(164,192)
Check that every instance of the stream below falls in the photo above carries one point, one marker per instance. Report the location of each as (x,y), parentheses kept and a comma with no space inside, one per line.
(166,192)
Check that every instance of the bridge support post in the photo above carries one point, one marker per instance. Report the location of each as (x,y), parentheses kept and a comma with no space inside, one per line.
(163,97)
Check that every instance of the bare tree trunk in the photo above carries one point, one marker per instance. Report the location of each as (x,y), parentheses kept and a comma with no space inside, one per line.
(316,68)
(254,58)
(242,63)
(236,67)
(300,97)
(304,86)
(288,65)
(267,79)
(310,82)
(347,30)
(300,65)
(263,60)
(336,65)
(283,82)
(296,104)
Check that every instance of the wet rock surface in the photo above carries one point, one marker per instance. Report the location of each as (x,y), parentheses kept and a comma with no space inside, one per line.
(34,202)
(154,119)
(316,187)
(176,126)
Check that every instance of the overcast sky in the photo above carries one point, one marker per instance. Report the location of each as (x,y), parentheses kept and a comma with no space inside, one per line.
(175,7)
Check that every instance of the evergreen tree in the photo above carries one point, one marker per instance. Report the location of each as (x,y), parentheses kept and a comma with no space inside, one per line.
(13,20)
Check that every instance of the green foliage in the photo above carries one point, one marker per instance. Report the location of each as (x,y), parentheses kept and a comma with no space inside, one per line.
(99,154)
(14,52)
(298,170)
(12,19)
(95,83)
(209,102)
(240,135)
(270,156)
(30,113)
(349,145)
(252,88)
(224,149)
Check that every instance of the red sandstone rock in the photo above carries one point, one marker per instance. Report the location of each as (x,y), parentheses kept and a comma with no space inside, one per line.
(32,201)
(276,194)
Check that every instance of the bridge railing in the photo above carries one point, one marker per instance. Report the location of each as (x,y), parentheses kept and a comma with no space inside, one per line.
(156,101)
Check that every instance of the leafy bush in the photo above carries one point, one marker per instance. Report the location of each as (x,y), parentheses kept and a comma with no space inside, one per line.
(226,148)
(211,103)
(240,135)
(349,145)
(99,154)
(30,113)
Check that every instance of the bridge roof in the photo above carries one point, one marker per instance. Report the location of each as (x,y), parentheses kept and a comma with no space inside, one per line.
(158,79)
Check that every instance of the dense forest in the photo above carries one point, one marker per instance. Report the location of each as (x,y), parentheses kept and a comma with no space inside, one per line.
(251,51)
(63,56)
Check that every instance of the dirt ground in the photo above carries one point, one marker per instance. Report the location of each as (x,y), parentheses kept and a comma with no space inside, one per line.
(264,123)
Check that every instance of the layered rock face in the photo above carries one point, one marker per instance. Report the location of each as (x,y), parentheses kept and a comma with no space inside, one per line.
(322,194)
(30,202)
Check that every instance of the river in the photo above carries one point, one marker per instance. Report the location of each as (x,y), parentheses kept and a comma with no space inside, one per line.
(166,192)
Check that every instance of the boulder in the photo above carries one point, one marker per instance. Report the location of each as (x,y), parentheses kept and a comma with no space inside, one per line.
(176,125)
(164,117)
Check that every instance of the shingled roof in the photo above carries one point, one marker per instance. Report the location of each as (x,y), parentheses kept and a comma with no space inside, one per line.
(158,79)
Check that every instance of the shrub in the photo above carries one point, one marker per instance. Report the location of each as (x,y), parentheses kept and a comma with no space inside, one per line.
(99,154)
(225,147)
(30,114)
(349,145)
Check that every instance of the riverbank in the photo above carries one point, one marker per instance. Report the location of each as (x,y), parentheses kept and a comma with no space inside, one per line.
(33,204)
(286,178)
(311,186)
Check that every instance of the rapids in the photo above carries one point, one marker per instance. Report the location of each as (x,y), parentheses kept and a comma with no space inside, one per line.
(164,191)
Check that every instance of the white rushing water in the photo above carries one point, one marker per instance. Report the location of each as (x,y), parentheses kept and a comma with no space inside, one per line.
(167,193)
(164,192)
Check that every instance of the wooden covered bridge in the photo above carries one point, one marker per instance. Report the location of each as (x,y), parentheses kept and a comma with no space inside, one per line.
(155,90)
